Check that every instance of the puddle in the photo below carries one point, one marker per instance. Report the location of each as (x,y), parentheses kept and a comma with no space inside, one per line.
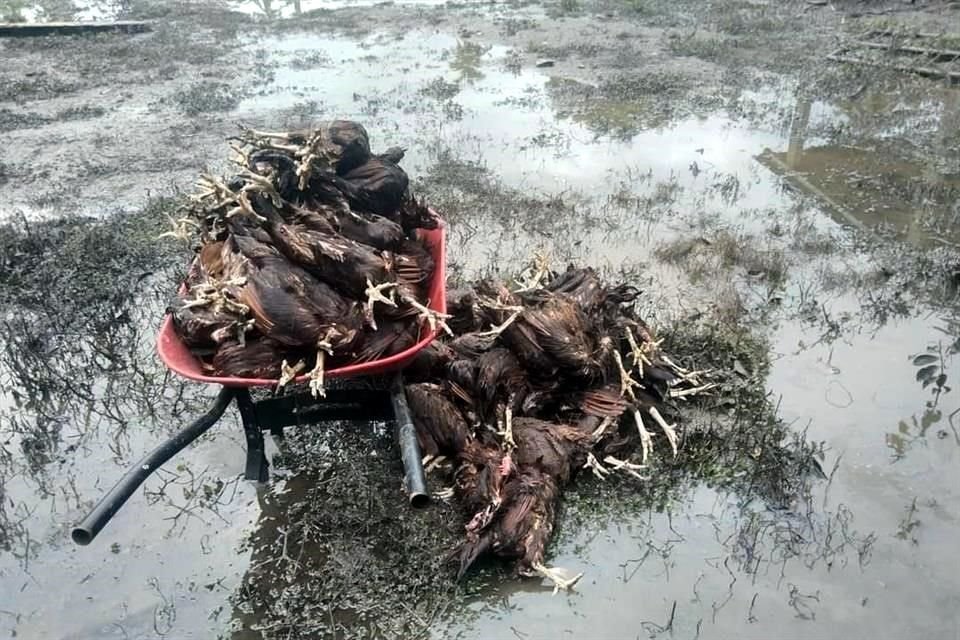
(742,167)
(69,11)
(293,8)
(518,166)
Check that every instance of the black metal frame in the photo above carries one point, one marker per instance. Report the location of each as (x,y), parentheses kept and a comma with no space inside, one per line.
(274,415)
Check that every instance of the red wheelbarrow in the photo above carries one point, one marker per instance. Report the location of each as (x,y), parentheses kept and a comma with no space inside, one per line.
(383,401)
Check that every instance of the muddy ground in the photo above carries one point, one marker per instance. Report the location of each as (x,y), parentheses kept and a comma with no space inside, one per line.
(792,220)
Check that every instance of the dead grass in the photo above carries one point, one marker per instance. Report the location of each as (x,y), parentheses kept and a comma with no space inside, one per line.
(724,252)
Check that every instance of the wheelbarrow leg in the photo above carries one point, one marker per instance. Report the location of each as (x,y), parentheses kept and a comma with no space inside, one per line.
(256,455)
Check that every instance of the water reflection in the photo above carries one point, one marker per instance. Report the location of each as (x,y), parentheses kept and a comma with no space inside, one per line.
(293,8)
(466,60)
(868,188)
(60,10)
(337,551)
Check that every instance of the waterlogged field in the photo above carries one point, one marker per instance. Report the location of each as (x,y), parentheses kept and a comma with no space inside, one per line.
(792,222)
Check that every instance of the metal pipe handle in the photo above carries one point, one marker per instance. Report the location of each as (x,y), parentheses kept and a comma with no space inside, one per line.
(100,515)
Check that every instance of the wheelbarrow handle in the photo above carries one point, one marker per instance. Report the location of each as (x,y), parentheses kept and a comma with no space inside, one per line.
(89,527)
(414,480)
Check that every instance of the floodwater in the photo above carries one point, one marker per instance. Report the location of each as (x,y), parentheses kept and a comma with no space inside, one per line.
(517,165)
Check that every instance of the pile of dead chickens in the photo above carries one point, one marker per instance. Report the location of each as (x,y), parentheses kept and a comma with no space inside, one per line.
(307,257)
(540,382)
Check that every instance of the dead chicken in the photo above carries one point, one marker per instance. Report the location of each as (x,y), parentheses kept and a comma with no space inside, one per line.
(297,310)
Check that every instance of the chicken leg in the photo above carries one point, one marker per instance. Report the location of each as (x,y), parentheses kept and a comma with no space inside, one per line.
(646,440)
(507,432)
(288,373)
(497,329)
(374,295)
(669,430)
(183,229)
(557,576)
(540,269)
(626,466)
(434,318)
(324,348)
(627,383)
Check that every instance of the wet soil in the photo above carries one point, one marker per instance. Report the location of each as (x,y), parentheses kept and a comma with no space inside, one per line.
(793,223)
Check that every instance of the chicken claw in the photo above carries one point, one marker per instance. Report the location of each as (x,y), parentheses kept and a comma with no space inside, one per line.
(434,318)
(443,494)
(637,352)
(288,373)
(683,393)
(540,269)
(602,428)
(497,329)
(627,383)
(646,440)
(557,576)
(625,466)
(182,229)
(430,463)
(324,347)
(316,376)
(670,430)
(374,295)
(245,208)
(596,466)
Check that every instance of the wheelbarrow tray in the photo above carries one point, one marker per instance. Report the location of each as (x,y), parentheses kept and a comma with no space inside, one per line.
(179,359)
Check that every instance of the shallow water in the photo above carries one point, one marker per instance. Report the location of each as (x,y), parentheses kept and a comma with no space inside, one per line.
(869,554)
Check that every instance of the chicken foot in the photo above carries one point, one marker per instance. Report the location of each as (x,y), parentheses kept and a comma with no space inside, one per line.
(288,373)
(431,463)
(433,318)
(223,196)
(602,428)
(324,348)
(600,471)
(374,295)
(443,494)
(556,575)
(257,183)
(182,229)
(627,383)
(213,293)
(683,393)
(614,464)
(637,353)
(497,329)
(626,466)
(646,440)
(242,327)
(540,269)
(244,208)
(670,430)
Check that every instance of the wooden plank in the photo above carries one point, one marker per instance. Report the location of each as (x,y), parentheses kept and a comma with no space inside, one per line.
(32,29)
(940,55)
(927,72)
(906,34)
